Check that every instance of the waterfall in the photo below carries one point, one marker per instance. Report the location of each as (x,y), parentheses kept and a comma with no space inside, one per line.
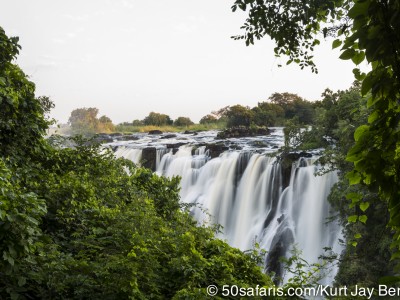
(132,154)
(244,192)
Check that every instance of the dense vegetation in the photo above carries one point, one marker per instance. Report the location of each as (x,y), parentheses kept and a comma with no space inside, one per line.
(76,223)
(367,30)
(339,114)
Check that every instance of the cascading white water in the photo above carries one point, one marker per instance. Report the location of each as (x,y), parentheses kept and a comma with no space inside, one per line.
(243,192)
(132,154)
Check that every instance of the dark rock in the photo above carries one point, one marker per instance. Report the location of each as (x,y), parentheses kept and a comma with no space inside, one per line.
(287,159)
(190,132)
(259,144)
(305,154)
(128,138)
(115,134)
(216,150)
(278,249)
(174,147)
(102,138)
(149,157)
(235,147)
(155,132)
(169,136)
(280,219)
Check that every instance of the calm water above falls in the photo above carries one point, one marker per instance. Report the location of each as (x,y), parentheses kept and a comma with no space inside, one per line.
(245,192)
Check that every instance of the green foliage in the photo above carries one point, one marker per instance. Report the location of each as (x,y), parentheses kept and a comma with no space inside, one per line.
(107,219)
(293,25)
(304,274)
(339,115)
(293,135)
(208,119)
(375,36)
(239,115)
(268,114)
(137,123)
(20,216)
(294,106)
(85,121)
(22,116)
(76,223)
(367,30)
(183,121)
(157,119)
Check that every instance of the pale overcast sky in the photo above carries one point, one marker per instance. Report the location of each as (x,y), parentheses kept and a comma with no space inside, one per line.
(130,57)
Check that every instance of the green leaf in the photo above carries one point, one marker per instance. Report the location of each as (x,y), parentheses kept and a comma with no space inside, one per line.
(354,197)
(360,131)
(357,236)
(352,219)
(366,84)
(359,8)
(336,43)
(354,244)
(347,54)
(364,206)
(358,58)
(21,281)
(363,219)
(354,177)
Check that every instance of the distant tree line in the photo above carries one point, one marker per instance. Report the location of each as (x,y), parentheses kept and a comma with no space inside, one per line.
(276,111)
(158,119)
(279,108)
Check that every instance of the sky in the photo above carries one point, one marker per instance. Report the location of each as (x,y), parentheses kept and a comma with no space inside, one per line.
(131,57)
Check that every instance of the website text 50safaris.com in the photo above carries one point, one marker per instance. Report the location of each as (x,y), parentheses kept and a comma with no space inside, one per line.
(318,291)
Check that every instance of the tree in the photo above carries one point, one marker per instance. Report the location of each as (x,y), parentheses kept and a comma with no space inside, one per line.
(157,119)
(137,122)
(293,105)
(366,29)
(239,115)
(268,114)
(22,115)
(183,121)
(208,119)
(105,124)
(75,222)
(85,121)
(284,99)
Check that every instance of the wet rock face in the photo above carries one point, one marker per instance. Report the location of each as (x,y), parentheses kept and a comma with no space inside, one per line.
(190,132)
(155,132)
(128,138)
(216,150)
(149,158)
(169,136)
(278,249)
(103,138)
(287,159)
